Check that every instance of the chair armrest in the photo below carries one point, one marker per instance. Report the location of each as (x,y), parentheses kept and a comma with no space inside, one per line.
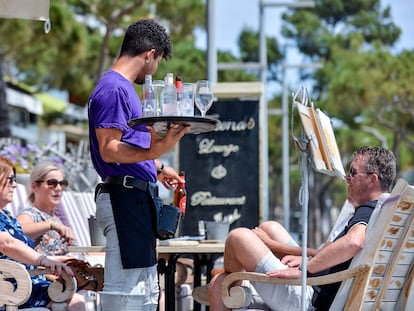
(237,296)
(11,296)
(61,289)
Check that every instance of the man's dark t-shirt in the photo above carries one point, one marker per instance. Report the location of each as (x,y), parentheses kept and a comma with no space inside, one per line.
(325,294)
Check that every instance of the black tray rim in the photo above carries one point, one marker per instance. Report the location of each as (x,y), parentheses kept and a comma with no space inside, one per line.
(172,119)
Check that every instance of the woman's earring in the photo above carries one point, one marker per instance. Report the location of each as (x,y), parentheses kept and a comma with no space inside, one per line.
(147,61)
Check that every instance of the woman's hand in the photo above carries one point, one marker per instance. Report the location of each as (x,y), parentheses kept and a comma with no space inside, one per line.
(64,231)
(56,267)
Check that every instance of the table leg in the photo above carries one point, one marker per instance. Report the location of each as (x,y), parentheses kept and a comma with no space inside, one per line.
(200,261)
(169,274)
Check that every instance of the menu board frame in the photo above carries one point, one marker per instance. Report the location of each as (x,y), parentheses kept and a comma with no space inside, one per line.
(222,167)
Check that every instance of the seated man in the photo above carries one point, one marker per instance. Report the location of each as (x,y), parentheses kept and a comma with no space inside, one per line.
(270,249)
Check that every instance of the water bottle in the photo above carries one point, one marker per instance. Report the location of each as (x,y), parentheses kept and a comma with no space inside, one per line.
(90,301)
(149,102)
(169,97)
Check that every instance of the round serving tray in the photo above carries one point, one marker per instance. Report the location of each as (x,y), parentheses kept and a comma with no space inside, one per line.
(163,123)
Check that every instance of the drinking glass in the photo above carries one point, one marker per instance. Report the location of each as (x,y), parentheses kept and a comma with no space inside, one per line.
(186,105)
(158,85)
(203,96)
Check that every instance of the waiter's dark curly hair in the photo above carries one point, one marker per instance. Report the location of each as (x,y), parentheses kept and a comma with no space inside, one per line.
(144,35)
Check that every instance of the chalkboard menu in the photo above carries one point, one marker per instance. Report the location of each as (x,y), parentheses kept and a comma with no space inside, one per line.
(222,167)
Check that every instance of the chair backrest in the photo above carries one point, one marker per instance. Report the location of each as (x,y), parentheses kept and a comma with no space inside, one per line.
(389,251)
(75,209)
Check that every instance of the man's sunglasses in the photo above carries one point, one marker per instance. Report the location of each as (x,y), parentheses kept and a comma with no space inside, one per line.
(54,182)
(12,179)
(353,172)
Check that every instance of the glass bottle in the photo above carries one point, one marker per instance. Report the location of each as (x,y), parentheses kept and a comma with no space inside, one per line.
(149,100)
(179,86)
(180,94)
(169,97)
(180,195)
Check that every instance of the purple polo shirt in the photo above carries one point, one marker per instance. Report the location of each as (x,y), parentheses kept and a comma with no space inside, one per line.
(113,102)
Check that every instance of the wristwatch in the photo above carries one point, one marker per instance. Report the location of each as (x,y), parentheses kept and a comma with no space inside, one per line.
(159,171)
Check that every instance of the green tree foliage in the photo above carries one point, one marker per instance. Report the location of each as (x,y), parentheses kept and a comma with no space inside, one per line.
(179,17)
(249,50)
(335,22)
(40,59)
(374,94)
(85,38)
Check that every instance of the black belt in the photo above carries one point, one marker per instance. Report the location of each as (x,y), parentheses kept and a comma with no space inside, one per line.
(132,182)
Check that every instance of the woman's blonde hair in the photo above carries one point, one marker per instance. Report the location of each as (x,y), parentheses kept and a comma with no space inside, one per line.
(40,171)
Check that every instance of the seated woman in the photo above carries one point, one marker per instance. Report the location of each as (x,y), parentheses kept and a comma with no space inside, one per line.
(38,220)
(17,246)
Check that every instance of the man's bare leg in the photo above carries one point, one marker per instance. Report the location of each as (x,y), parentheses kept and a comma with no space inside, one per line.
(243,252)
(276,231)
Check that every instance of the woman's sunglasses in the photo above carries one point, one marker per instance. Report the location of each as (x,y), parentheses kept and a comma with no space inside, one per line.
(54,182)
(12,179)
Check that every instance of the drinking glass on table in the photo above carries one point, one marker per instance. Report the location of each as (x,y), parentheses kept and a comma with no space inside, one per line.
(203,96)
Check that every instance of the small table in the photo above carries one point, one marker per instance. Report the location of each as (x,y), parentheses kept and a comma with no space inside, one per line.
(203,253)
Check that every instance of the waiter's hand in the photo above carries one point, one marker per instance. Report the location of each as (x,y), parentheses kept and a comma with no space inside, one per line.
(169,178)
(160,145)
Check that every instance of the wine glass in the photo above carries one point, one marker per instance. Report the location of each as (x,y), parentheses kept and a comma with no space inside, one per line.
(203,96)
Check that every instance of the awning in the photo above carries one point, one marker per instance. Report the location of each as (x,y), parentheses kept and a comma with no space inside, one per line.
(23,100)
(28,9)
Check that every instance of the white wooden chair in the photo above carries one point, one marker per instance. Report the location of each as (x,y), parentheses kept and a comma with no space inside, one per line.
(60,291)
(380,277)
